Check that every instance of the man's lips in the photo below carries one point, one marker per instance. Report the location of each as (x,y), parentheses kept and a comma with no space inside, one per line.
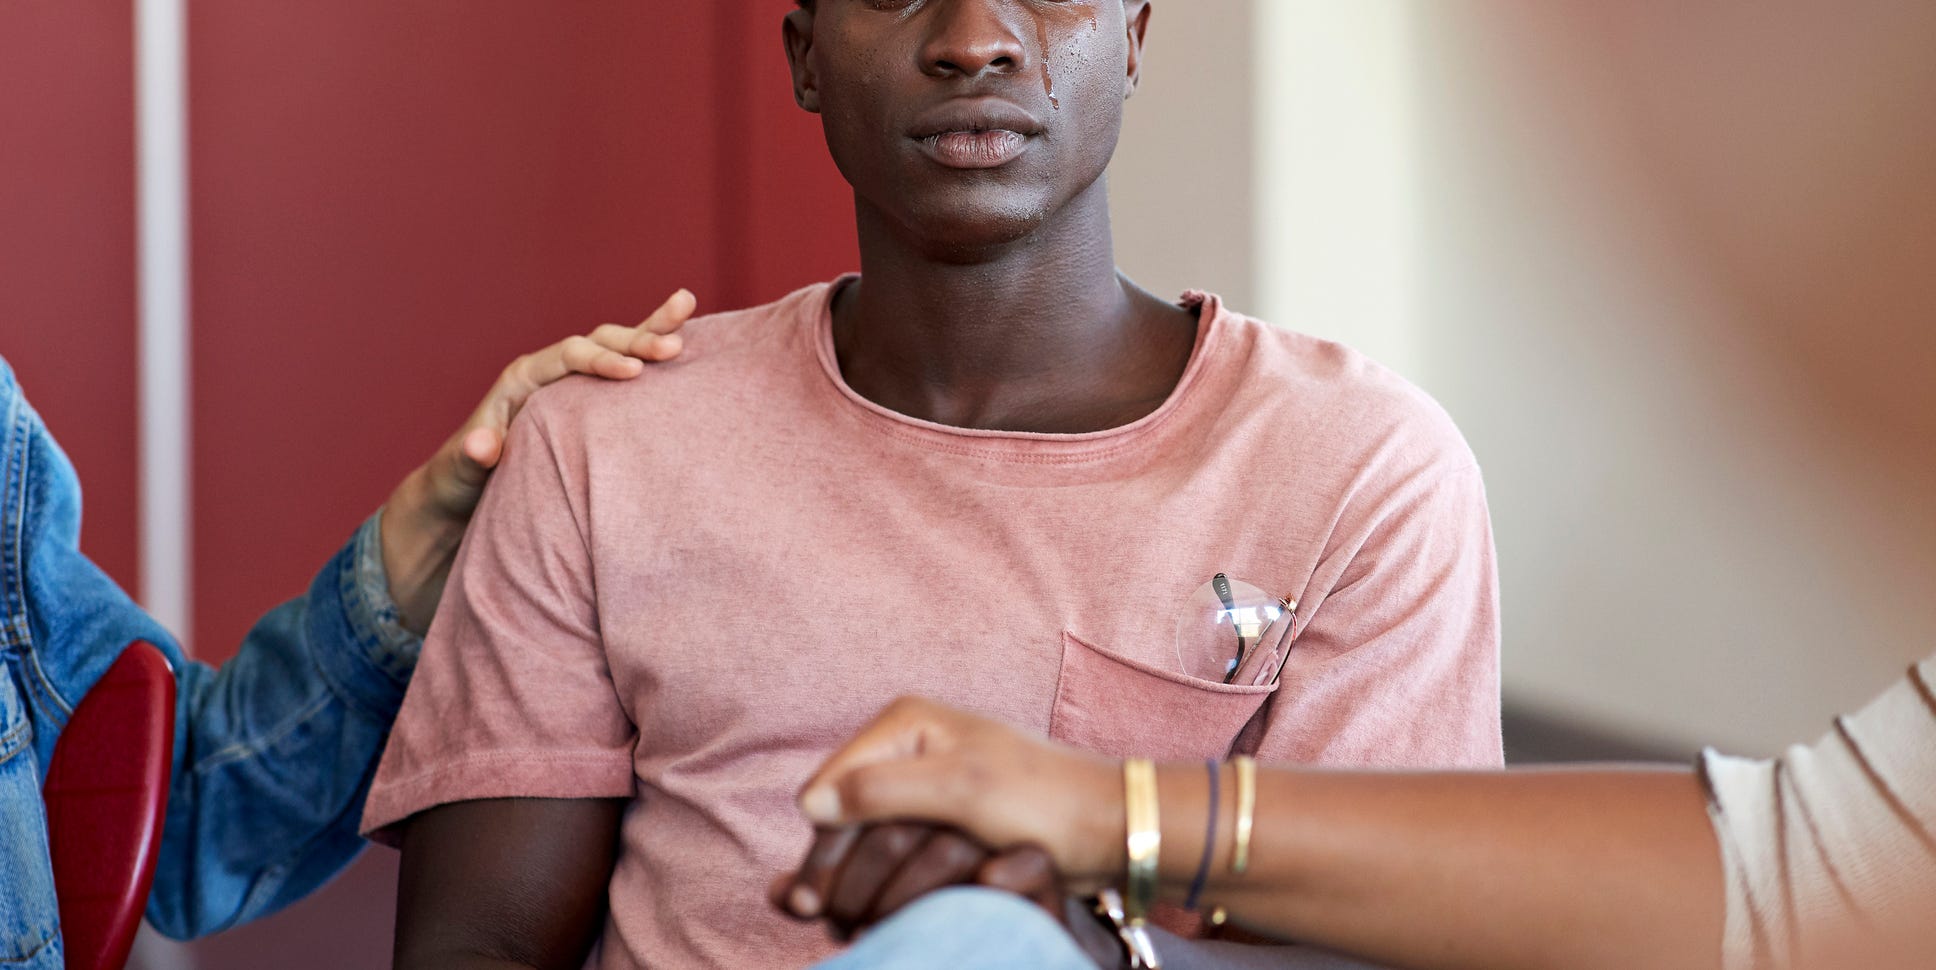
(974,149)
(975,132)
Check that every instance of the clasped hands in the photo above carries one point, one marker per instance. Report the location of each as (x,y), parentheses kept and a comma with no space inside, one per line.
(855,876)
(927,797)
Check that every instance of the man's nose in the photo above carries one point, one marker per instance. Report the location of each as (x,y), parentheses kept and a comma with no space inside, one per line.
(969,38)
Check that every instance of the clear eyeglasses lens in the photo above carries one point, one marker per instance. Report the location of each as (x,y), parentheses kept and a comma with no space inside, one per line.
(1223,624)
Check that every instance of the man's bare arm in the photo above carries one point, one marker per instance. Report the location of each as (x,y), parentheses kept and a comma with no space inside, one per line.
(505,883)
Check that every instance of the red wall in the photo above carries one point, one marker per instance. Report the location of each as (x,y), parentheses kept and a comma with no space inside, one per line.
(787,217)
(67,286)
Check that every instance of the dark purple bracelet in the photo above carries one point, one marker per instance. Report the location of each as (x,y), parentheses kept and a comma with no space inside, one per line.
(1209,842)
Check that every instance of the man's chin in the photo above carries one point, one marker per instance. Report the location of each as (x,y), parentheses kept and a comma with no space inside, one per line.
(970,233)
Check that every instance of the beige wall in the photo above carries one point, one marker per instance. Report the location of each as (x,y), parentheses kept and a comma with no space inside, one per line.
(1181,180)
(1689,548)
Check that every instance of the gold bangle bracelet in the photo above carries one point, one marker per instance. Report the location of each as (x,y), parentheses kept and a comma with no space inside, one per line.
(1246,812)
(1145,836)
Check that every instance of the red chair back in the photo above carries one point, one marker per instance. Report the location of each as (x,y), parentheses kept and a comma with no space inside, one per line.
(106,792)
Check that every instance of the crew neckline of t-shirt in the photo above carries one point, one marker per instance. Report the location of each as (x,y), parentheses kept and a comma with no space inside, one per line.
(1022,446)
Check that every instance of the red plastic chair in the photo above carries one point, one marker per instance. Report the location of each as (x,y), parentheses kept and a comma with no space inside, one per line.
(106,792)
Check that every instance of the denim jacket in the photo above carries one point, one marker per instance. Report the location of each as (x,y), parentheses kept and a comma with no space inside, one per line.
(273,751)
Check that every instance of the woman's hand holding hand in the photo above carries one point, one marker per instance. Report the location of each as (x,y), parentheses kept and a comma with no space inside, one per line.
(927,796)
(922,760)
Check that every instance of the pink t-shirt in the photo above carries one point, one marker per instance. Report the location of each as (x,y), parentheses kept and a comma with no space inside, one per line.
(687,589)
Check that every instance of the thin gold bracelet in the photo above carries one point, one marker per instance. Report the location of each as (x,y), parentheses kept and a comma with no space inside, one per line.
(1145,836)
(1246,812)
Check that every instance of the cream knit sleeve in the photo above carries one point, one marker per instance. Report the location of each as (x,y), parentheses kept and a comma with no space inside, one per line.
(1832,847)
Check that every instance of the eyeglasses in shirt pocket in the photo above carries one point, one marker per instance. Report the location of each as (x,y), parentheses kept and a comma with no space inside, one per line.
(1121,707)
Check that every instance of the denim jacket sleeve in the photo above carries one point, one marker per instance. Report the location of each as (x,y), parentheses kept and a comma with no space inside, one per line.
(273,751)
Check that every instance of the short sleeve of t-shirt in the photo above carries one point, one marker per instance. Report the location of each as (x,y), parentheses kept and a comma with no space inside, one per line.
(1410,594)
(513,696)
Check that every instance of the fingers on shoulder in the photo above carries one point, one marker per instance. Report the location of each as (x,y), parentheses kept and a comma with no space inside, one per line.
(657,337)
(672,314)
(637,342)
(520,377)
(584,355)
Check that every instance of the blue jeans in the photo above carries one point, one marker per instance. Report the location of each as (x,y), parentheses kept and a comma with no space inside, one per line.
(984,929)
(965,928)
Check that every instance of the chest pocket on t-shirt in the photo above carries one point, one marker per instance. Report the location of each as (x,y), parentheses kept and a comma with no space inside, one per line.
(1114,705)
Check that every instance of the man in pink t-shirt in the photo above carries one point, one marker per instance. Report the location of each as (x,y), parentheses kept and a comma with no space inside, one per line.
(989,470)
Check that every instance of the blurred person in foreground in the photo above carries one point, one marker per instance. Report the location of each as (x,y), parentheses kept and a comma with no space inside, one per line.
(1817,237)
(274,750)
(1823,859)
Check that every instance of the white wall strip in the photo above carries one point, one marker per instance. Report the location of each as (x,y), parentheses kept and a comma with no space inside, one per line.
(1336,185)
(161,105)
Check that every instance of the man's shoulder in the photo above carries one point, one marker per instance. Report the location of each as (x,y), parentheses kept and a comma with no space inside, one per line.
(733,334)
(723,351)
(1345,401)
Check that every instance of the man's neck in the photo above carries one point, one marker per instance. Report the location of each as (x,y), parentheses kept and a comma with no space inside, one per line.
(1041,334)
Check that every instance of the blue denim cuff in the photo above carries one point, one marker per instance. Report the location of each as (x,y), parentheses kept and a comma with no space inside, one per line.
(368,656)
(370,608)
